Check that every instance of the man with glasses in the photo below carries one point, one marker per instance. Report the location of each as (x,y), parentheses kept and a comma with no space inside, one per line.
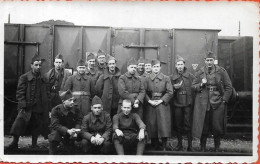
(213,87)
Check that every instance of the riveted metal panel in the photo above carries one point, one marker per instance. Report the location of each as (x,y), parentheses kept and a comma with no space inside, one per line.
(191,45)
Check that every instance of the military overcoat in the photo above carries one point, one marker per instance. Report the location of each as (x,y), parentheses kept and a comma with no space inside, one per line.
(107,89)
(158,120)
(83,88)
(206,99)
(93,74)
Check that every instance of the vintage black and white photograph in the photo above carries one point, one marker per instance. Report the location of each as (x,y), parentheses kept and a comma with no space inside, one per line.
(129,81)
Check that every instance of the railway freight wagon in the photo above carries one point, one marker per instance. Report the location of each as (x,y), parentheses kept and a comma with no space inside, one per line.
(23,41)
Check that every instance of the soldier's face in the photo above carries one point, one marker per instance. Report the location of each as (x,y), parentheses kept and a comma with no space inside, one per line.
(69,103)
(156,68)
(131,69)
(126,107)
(140,67)
(91,63)
(101,59)
(148,67)
(81,69)
(180,65)
(111,65)
(58,64)
(96,109)
(36,66)
(209,62)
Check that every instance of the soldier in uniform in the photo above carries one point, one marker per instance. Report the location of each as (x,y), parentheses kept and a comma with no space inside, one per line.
(129,130)
(140,66)
(107,87)
(82,87)
(56,78)
(33,112)
(147,67)
(96,129)
(158,94)
(65,124)
(131,87)
(101,61)
(213,87)
(182,101)
(91,71)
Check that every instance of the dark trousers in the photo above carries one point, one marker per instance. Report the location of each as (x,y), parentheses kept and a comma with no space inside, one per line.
(89,148)
(121,147)
(183,119)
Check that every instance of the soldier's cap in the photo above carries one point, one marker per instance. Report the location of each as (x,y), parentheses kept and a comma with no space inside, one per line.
(111,58)
(101,52)
(96,100)
(65,95)
(90,56)
(141,60)
(210,54)
(155,61)
(132,61)
(59,56)
(36,58)
(81,62)
(147,61)
(179,58)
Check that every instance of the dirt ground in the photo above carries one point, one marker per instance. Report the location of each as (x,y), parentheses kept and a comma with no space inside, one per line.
(227,145)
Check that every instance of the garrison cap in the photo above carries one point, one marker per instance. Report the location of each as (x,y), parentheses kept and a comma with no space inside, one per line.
(35,58)
(155,61)
(141,60)
(210,54)
(100,52)
(91,56)
(96,100)
(132,61)
(147,61)
(111,58)
(65,95)
(179,58)
(81,62)
(59,56)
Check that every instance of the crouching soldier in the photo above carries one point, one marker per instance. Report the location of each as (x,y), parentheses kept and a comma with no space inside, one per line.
(96,129)
(65,124)
(129,130)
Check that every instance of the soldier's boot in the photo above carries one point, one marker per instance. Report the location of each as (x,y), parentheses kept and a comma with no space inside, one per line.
(216,143)
(119,147)
(164,142)
(53,148)
(140,148)
(14,143)
(34,141)
(155,143)
(189,142)
(203,141)
(179,146)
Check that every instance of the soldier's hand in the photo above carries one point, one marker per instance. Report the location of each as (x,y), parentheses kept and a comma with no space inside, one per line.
(49,114)
(70,132)
(100,141)
(152,102)
(158,102)
(204,81)
(119,132)
(141,135)
(93,140)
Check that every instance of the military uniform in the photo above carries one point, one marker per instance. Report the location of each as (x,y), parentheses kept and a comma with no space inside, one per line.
(63,119)
(131,87)
(93,74)
(209,108)
(107,89)
(93,125)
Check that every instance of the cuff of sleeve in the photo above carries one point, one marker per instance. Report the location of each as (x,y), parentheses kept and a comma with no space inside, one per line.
(64,130)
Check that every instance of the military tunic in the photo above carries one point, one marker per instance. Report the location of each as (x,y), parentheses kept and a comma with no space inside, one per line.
(83,88)
(131,87)
(209,101)
(158,121)
(93,74)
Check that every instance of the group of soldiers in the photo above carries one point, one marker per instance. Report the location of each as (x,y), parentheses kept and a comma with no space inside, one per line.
(99,106)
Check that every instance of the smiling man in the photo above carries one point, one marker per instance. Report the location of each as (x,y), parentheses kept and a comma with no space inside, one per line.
(213,87)
(91,70)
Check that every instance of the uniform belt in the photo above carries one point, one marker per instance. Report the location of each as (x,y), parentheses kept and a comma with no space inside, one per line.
(182,92)
(156,94)
(212,88)
(80,93)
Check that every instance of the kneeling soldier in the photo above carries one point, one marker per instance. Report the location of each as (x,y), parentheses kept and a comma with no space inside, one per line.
(129,129)
(65,124)
(96,129)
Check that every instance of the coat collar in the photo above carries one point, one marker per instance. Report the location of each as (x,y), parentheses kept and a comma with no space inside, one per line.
(159,76)
(92,71)
(205,69)
(31,76)
(107,74)
(101,118)
(66,111)
(78,76)
(127,74)
(176,75)
(52,72)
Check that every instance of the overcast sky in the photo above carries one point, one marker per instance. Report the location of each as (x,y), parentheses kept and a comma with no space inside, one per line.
(206,15)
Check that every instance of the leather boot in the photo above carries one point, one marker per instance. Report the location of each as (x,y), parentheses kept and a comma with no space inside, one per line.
(34,141)
(164,142)
(203,141)
(216,143)
(14,144)
(155,144)
(189,142)
(53,148)
(179,146)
